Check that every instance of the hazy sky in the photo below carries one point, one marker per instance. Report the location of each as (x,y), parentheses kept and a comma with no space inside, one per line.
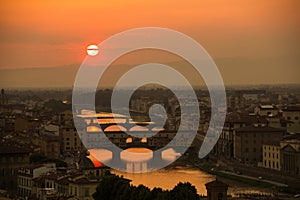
(251,41)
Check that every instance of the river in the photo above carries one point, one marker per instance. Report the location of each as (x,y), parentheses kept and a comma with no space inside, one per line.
(168,178)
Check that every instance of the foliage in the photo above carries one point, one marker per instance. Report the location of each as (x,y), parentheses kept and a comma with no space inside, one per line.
(114,187)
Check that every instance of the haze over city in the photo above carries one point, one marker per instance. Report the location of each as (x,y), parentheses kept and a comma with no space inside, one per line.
(252,42)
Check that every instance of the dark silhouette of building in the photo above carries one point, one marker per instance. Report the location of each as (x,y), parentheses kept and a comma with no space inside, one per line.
(216,190)
(11,159)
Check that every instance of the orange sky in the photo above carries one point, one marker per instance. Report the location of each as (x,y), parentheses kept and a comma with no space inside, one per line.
(55,33)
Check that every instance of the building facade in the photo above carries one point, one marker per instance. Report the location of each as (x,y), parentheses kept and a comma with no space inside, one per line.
(271,156)
(248,142)
(11,159)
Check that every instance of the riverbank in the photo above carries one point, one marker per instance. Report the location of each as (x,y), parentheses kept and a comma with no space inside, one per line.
(245,180)
(233,179)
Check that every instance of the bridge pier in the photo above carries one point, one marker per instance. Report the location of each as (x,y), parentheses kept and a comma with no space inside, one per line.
(157,160)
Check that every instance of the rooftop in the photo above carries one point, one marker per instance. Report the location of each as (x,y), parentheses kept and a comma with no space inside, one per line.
(10,149)
(259,128)
(101,115)
(292,108)
(216,183)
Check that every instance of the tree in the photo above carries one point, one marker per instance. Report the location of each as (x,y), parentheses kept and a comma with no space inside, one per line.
(140,193)
(112,187)
(183,191)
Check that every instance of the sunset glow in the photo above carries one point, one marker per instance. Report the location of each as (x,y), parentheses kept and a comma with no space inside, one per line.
(239,35)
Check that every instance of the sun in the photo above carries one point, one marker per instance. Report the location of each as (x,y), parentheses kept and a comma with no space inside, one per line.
(92,50)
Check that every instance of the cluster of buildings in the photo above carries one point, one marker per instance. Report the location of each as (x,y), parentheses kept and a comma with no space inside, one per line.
(265,136)
(261,130)
(44,181)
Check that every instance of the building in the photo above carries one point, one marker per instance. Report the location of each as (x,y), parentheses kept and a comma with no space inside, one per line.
(266,110)
(248,142)
(292,113)
(50,146)
(11,159)
(70,140)
(290,154)
(27,174)
(82,187)
(271,156)
(225,145)
(26,124)
(67,185)
(216,190)
(3,98)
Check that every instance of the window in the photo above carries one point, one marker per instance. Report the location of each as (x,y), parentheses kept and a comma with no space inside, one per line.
(220,196)
(87,192)
(296,118)
(288,118)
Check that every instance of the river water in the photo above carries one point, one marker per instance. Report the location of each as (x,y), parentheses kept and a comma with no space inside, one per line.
(168,178)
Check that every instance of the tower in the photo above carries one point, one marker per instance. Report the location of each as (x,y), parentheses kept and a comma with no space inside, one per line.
(216,190)
(3,98)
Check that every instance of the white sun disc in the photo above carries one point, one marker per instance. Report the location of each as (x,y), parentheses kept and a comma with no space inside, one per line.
(92,50)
